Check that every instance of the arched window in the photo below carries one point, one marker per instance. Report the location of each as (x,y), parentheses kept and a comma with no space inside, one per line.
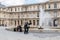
(55,22)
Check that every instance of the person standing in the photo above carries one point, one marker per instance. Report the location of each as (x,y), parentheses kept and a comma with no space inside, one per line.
(26,27)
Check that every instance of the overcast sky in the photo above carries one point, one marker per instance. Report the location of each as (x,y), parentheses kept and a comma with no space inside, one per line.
(20,2)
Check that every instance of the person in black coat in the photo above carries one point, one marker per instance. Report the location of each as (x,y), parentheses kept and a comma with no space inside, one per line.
(19,28)
(26,27)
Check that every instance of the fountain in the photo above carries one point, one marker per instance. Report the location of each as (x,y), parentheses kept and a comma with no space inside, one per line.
(45,19)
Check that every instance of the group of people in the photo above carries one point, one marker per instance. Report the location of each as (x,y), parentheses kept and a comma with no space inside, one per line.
(26,28)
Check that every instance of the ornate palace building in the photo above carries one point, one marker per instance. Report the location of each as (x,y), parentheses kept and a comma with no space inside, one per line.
(18,15)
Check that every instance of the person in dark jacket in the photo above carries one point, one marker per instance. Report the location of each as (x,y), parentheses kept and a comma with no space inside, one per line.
(26,27)
(14,29)
(19,28)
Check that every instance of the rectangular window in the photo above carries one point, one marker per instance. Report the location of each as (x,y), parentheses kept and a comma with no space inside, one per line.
(15,22)
(33,22)
(38,14)
(30,21)
(15,9)
(11,9)
(21,9)
(55,5)
(37,22)
(25,8)
(49,5)
(18,9)
(55,13)
(21,22)
(43,6)
(18,22)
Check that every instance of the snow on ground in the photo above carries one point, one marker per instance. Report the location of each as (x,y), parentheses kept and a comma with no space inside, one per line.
(10,35)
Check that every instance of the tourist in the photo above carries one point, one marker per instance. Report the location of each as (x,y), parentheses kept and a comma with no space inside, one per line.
(19,28)
(26,27)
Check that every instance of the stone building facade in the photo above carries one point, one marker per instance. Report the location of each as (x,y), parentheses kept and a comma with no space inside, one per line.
(18,15)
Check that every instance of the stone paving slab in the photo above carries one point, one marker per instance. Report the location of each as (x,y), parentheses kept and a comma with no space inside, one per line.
(10,35)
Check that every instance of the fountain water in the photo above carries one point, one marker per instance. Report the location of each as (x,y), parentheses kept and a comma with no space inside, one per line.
(45,19)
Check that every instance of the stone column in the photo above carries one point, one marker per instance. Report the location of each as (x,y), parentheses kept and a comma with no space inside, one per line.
(24,21)
(32,22)
(7,23)
(1,21)
(16,22)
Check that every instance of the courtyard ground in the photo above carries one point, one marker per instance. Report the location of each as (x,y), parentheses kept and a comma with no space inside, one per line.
(10,35)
